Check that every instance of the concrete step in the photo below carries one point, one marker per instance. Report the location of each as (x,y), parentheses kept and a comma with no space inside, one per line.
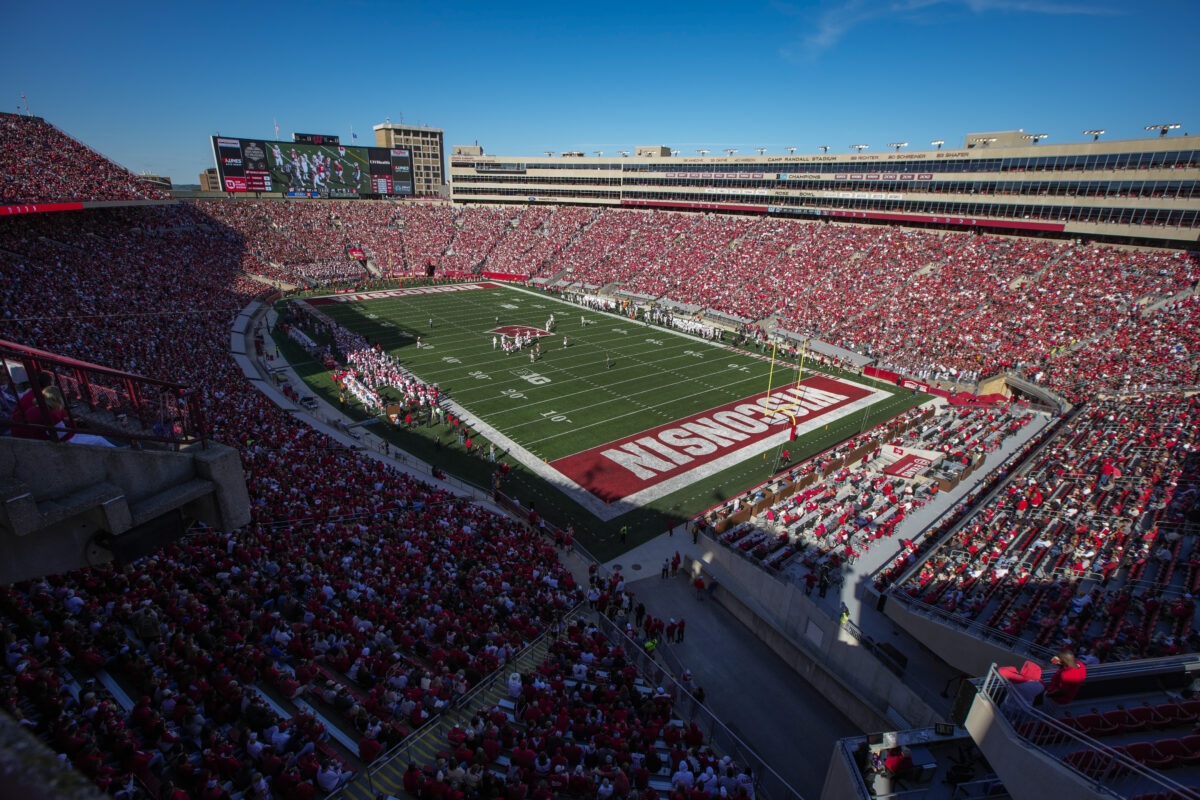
(171,498)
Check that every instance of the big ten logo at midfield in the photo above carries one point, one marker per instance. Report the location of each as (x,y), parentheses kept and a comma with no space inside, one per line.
(532,377)
(518,330)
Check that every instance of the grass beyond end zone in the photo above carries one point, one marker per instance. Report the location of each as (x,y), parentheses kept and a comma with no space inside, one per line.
(614,378)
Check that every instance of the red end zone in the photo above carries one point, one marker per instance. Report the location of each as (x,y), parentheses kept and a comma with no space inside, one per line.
(677,453)
(385,293)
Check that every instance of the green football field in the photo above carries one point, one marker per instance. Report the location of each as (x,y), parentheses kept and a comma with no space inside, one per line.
(614,378)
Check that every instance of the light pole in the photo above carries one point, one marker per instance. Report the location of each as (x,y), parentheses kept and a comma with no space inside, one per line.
(897,145)
(702,152)
(1162,129)
(674,153)
(984,140)
(1034,138)
(860,147)
(623,153)
(938,143)
(548,153)
(1096,134)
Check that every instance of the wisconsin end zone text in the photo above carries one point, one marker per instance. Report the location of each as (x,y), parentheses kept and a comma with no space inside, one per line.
(653,463)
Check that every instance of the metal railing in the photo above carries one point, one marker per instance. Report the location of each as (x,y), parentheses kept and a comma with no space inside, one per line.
(1108,769)
(164,411)
(979,630)
(469,702)
(768,783)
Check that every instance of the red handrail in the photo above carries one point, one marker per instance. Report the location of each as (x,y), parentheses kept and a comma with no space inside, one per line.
(167,411)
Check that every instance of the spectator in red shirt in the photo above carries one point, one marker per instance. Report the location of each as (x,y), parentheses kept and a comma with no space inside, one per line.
(1065,684)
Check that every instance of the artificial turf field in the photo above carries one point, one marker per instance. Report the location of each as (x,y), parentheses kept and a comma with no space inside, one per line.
(615,379)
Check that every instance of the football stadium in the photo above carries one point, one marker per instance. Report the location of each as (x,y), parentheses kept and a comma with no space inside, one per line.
(399,469)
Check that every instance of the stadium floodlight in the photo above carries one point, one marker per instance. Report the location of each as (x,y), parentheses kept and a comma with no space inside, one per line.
(859,147)
(897,145)
(824,148)
(791,150)
(1096,134)
(597,153)
(623,153)
(1034,138)
(548,153)
(729,151)
(938,143)
(1162,129)
(762,151)
(703,151)
(984,140)
(674,153)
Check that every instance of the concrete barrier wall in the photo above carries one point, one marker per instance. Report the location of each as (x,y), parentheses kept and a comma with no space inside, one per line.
(959,649)
(814,644)
(1026,771)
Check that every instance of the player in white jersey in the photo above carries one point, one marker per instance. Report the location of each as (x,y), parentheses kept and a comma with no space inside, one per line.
(277,154)
(357,173)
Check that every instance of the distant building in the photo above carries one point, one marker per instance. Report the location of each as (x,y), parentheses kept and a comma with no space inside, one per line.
(426,144)
(210,181)
(1135,191)
(160,182)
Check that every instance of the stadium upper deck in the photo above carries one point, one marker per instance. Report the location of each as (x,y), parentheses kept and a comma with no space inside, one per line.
(1132,191)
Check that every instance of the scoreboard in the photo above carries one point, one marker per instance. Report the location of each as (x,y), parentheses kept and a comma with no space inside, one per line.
(391,170)
(324,169)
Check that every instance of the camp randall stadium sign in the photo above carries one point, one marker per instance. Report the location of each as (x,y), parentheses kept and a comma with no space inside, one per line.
(621,475)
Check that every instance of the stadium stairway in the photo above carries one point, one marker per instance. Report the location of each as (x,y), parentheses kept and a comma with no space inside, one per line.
(425,744)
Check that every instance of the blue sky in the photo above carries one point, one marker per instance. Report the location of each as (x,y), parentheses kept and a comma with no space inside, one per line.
(147,83)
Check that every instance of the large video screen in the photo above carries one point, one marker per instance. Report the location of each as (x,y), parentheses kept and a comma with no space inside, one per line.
(310,170)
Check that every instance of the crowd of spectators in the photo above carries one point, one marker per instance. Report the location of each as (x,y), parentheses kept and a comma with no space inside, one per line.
(41,164)
(350,571)
(582,724)
(538,237)
(1094,544)
(831,509)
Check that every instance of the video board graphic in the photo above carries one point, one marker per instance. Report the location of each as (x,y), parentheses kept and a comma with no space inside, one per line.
(308,170)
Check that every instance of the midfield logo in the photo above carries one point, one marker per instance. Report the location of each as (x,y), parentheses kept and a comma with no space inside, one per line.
(518,330)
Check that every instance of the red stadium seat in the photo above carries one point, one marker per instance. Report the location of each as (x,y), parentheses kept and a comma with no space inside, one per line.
(1095,724)
(1171,752)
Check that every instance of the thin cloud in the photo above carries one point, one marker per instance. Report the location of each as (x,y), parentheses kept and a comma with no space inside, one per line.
(832,21)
